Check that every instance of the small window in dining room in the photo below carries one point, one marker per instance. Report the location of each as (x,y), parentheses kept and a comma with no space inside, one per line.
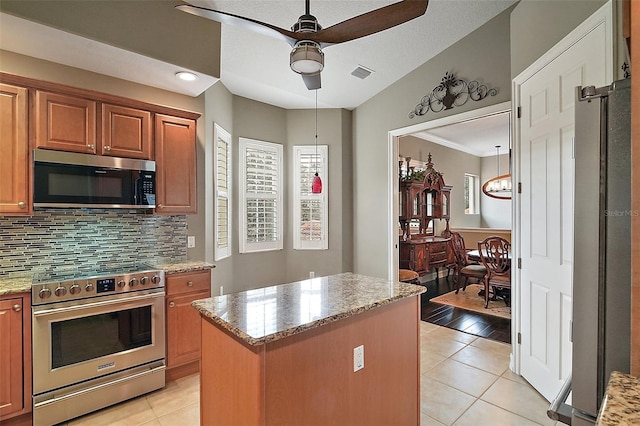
(471,194)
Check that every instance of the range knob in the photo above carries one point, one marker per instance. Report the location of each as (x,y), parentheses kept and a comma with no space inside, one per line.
(133,282)
(121,283)
(45,293)
(144,280)
(60,291)
(155,279)
(75,289)
(89,287)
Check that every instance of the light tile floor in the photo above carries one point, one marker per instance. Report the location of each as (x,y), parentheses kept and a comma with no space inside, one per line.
(465,381)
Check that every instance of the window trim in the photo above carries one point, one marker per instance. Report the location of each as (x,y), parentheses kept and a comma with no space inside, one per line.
(219,133)
(298,243)
(475,197)
(244,245)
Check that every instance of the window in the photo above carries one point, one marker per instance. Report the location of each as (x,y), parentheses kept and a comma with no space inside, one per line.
(222,218)
(260,196)
(310,210)
(471,194)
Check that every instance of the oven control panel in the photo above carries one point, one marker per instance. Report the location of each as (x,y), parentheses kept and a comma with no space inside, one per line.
(51,291)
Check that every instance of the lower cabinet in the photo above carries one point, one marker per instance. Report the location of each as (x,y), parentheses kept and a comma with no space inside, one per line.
(15,355)
(183,321)
(421,254)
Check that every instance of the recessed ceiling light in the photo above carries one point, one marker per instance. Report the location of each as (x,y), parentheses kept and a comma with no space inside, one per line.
(186,76)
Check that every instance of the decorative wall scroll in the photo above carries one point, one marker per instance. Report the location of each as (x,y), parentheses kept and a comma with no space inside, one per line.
(451,92)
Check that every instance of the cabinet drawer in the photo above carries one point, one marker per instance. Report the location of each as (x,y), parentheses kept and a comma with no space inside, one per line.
(438,257)
(438,248)
(188,282)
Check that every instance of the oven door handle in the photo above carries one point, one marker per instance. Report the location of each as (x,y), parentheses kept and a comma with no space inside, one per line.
(146,296)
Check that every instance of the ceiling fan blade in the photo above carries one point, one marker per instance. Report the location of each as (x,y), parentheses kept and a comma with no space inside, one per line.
(240,21)
(312,81)
(370,23)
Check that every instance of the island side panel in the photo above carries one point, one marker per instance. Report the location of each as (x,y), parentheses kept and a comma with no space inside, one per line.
(309,377)
(231,379)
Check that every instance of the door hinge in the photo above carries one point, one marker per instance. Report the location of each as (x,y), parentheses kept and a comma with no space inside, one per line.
(519,263)
(519,112)
(519,187)
(519,338)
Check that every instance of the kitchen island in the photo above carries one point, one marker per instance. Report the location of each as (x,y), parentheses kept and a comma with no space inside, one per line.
(285,354)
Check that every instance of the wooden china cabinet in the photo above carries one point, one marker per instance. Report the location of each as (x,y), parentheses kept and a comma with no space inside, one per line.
(424,196)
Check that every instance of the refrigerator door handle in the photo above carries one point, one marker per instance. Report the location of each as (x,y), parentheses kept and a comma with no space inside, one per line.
(559,410)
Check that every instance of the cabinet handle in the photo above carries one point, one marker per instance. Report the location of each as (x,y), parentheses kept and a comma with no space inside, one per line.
(190,284)
(172,304)
(107,148)
(17,307)
(159,206)
(22,204)
(90,146)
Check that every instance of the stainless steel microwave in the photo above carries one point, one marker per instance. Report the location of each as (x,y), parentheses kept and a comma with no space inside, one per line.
(65,179)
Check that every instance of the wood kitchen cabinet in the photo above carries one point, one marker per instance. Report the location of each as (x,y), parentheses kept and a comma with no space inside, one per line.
(65,122)
(126,132)
(15,355)
(175,144)
(15,193)
(183,321)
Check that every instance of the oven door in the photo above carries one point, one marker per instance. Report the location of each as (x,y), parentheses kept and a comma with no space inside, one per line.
(81,340)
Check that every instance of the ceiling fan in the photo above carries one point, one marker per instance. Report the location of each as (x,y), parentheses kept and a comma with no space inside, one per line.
(308,38)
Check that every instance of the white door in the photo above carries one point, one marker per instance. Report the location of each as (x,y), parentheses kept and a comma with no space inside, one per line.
(546,173)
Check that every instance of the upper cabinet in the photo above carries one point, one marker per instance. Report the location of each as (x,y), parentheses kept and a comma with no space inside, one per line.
(15,194)
(126,132)
(65,123)
(44,115)
(70,123)
(176,165)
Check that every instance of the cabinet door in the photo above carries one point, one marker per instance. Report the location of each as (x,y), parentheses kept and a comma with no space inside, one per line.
(65,123)
(15,196)
(126,132)
(175,144)
(183,328)
(11,357)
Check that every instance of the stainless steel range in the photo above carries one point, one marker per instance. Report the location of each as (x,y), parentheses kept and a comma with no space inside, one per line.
(98,339)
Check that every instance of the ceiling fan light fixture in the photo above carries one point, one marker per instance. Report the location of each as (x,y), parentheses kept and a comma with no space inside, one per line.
(306,58)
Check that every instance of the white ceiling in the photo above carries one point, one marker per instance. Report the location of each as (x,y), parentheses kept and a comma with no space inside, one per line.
(257,67)
(478,136)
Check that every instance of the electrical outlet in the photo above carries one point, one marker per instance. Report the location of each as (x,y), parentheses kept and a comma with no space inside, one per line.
(191,241)
(358,358)
(312,274)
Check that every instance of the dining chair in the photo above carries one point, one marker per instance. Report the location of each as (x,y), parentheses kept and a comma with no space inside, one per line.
(464,269)
(495,255)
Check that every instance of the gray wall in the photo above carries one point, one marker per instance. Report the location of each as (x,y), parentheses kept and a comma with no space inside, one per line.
(482,56)
(136,25)
(537,25)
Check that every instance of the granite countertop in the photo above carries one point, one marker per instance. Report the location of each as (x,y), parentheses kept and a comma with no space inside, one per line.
(621,403)
(185,266)
(15,284)
(267,314)
(21,282)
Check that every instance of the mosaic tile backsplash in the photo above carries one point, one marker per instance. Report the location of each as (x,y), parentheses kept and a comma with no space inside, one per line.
(62,239)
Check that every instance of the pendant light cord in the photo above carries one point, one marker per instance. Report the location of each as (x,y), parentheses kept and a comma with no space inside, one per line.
(316,132)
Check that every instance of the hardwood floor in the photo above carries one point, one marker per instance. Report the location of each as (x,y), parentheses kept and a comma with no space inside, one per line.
(487,326)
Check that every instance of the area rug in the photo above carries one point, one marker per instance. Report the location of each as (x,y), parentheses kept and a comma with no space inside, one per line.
(470,301)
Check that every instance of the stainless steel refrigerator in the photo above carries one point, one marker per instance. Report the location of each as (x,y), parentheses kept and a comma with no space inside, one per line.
(601,326)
